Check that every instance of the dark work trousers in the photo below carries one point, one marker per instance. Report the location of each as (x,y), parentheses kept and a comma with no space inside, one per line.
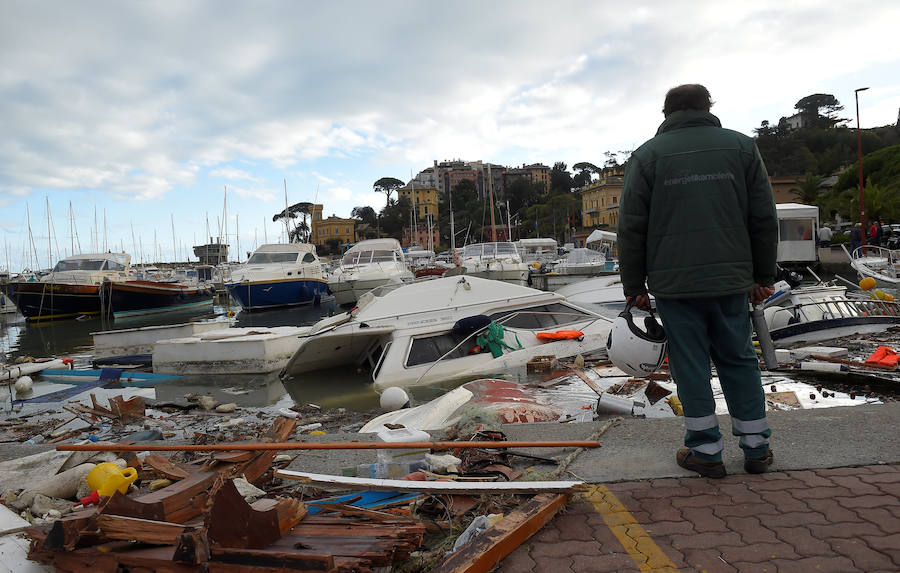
(717,328)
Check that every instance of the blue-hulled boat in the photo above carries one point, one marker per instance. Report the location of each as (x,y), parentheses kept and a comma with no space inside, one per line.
(279,275)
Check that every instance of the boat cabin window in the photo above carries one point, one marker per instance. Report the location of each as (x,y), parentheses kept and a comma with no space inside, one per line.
(428,349)
(82,265)
(382,256)
(309,258)
(270,258)
(796,229)
(540,317)
(114,266)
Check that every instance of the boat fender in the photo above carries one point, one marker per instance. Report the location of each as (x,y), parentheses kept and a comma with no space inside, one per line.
(69,362)
(470,325)
(560,335)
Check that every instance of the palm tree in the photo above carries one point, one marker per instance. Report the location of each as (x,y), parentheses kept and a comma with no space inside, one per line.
(808,191)
(300,232)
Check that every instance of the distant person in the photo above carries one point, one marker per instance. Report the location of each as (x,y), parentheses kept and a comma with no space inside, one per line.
(855,238)
(874,237)
(879,232)
(693,181)
(825,235)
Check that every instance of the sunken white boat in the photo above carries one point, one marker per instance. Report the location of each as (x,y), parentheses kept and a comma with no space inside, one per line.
(450,328)
(878,263)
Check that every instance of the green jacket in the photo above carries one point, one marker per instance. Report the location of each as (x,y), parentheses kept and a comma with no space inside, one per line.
(697,216)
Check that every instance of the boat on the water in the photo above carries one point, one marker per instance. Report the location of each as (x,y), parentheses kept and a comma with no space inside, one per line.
(278,275)
(367,265)
(579,264)
(498,261)
(140,297)
(449,328)
(879,263)
(77,377)
(71,289)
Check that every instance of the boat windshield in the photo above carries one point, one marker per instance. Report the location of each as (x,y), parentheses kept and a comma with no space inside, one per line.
(80,265)
(363,257)
(490,250)
(270,258)
(542,316)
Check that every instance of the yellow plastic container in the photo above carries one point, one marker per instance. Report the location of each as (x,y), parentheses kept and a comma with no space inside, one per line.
(106,478)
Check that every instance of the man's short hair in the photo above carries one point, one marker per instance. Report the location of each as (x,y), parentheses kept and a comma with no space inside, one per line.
(687,96)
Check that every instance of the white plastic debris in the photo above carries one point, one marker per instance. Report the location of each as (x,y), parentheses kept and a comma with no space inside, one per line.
(478,526)
(207,402)
(288,413)
(226,408)
(233,422)
(446,463)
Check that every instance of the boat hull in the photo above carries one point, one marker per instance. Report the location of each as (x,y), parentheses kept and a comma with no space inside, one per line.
(138,298)
(52,301)
(272,294)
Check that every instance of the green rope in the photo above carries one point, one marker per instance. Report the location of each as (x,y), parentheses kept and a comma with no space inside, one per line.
(492,339)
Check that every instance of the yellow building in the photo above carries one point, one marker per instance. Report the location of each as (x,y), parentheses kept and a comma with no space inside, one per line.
(600,202)
(540,174)
(333,227)
(424,199)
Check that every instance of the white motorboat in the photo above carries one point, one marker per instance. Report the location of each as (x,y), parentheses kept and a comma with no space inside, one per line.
(603,295)
(879,263)
(542,251)
(368,264)
(279,275)
(578,265)
(428,331)
(497,261)
(824,312)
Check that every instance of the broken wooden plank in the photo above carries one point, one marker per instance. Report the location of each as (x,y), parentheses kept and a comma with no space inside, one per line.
(176,503)
(165,468)
(142,530)
(232,522)
(431,486)
(66,531)
(486,550)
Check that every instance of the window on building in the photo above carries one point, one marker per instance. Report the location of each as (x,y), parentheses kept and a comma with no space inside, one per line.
(615,199)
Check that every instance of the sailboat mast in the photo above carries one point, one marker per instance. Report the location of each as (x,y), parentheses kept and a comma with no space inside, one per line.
(452,225)
(49,234)
(265,231)
(225,217)
(491,191)
(133,244)
(237,221)
(37,262)
(174,242)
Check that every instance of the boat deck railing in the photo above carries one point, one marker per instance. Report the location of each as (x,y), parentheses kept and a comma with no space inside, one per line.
(843,307)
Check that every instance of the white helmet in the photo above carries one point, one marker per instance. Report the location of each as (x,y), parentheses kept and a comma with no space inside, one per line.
(634,351)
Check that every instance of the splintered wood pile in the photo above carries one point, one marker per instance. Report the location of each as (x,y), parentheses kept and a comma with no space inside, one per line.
(201,523)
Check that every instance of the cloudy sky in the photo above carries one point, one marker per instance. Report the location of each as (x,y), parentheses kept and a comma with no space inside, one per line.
(145,111)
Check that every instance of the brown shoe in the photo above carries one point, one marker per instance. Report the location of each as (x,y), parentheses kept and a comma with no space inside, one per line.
(759,465)
(686,459)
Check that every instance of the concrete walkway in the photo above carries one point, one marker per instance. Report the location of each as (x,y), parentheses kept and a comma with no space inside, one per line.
(832,502)
(827,520)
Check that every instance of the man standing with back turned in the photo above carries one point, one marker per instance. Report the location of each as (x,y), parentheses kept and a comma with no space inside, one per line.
(698,229)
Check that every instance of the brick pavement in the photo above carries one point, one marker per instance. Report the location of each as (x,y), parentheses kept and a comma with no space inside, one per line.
(829,520)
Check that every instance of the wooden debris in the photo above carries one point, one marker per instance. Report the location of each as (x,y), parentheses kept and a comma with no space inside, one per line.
(431,487)
(232,522)
(125,410)
(142,530)
(486,550)
(540,364)
(165,468)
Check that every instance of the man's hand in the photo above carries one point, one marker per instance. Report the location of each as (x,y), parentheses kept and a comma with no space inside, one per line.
(760,293)
(642,301)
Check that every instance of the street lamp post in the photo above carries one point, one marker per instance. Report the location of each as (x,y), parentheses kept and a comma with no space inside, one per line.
(862,208)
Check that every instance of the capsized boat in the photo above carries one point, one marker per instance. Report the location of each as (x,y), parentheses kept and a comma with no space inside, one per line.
(71,289)
(498,261)
(279,275)
(367,265)
(879,263)
(824,312)
(428,331)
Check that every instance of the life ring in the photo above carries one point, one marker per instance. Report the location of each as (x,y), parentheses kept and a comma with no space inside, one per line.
(560,335)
